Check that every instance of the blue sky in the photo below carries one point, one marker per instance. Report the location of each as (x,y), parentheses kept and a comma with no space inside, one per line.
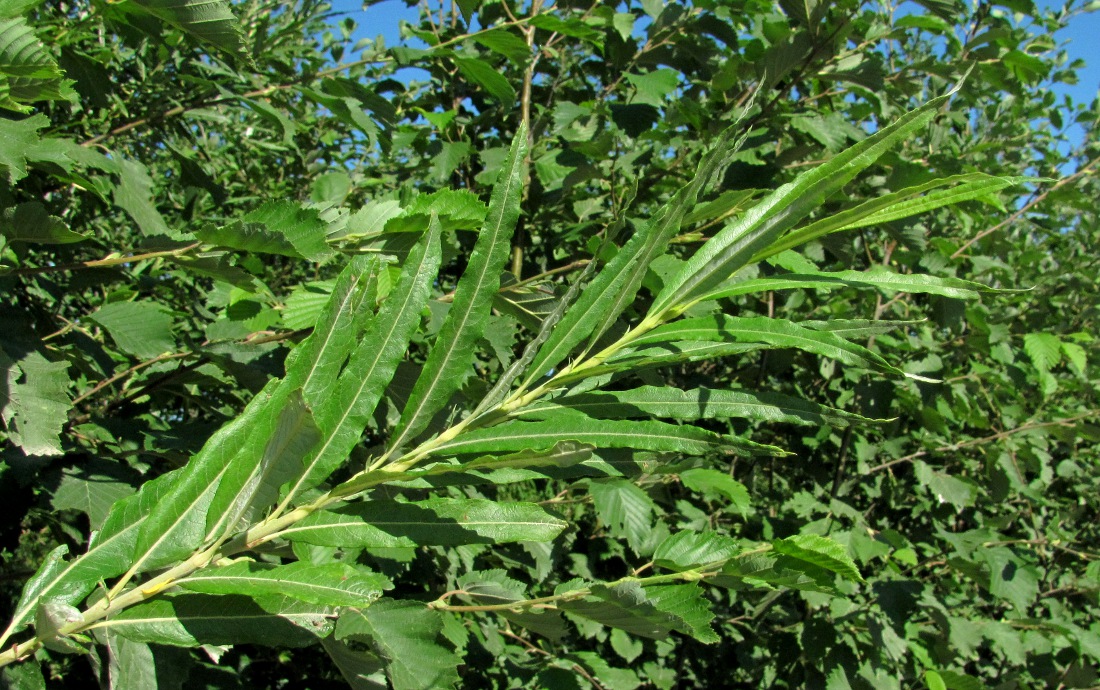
(1081,38)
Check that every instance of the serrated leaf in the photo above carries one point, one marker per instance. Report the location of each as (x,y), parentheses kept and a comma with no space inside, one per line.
(361,669)
(689,550)
(688,606)
(93,488)
(626,510)
(947,489)
(17,138)
(1044,349)
(453,351)
(277,227)
(30,222)
(331,584)
(736,244)
(820,551)
(715,483)
(765,570)
(142,329)
(36,405)
(210,21)
(303,305)
(134,194)
(129,664)
(623,606)
(190,620)
(27,70)
(407,636)
(436,521)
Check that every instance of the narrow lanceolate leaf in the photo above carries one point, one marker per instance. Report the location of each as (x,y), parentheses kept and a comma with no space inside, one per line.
(407,636)
(436,521)
(315,363)
(777,332)
(656,436)
(881,279)
(675,352)
(560,455)
(700,403)
(856,328)
(251,484)
(332,584)
(344,412)
(177,525)
(738,242)
(109,553)
(820,551)
(903,203)
(190,620)
(453,352)
(615,287)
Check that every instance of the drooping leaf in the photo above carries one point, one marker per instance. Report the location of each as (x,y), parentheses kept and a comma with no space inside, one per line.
(903,203)
(720,485)
(505,43)
(1044,349)
(190,620)
(454,348)
(93,488)
(361,669)
(436,521)
(28,72)
(331,584)
(688,606)
(134,194)
(775,332)
(623,606)
(407,636)
(36,406)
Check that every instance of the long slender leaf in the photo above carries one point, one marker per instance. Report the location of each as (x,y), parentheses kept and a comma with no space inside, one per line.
(189,620)
(903,203)
(777,332)
(737,243)
(436,521)
(454,348)
(656,436)
(345,411)
(252,484)
(881,278)
(331,584)
(700,403)
(615,287)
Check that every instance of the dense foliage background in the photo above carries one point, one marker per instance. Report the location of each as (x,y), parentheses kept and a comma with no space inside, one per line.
(164,175)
